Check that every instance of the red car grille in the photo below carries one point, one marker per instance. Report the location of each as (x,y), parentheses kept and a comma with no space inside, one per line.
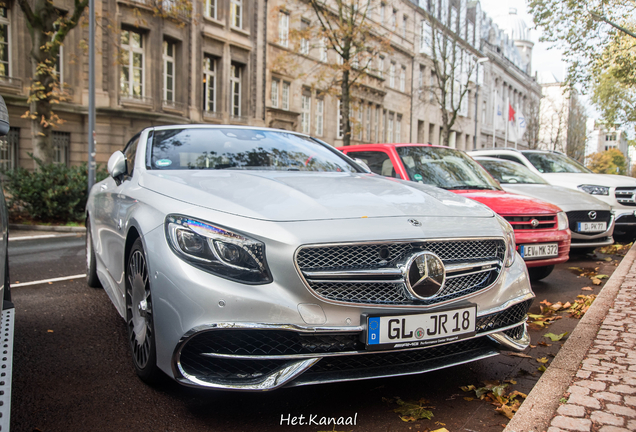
(532,222)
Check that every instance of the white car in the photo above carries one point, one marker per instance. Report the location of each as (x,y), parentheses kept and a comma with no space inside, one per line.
(590,220)
(556,168)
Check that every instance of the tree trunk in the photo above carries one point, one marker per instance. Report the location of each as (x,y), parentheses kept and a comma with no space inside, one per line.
(346,102)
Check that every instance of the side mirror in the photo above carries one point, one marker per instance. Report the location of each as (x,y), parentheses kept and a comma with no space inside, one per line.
(4,117)
(117,164)
(363,165)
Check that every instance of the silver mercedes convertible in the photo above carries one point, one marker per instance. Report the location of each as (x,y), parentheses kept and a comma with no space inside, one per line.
(252,259)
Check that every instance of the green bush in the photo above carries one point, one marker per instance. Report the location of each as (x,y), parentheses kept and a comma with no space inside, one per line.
(52,193)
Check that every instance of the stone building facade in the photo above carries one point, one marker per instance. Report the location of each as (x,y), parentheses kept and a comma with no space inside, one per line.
(249,62)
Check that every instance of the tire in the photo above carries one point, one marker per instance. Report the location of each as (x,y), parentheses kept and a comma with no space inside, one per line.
(139,316)
(538,273)
(91,266)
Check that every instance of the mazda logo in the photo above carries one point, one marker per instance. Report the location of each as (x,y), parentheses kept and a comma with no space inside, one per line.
(425,275)
(592,215)
(534,223)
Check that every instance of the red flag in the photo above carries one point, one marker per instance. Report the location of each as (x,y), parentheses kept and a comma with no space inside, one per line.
(511,113)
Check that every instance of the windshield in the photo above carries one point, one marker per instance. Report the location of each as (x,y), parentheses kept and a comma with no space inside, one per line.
(245,149)
(554,163)
(507,172)
(445,168)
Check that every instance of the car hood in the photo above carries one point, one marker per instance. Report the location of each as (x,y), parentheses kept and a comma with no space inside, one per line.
(299,196)
(572,180)
(567,199)
(505,203)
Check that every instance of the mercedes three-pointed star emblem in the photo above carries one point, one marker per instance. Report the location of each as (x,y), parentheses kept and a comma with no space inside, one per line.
(425,275)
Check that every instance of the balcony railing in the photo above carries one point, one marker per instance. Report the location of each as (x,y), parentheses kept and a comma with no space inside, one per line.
(134,99)
(172,105)
(212,115)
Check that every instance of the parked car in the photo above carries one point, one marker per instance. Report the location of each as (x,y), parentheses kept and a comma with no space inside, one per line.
(591,220)
(541,229)
(250,259)
(560,170)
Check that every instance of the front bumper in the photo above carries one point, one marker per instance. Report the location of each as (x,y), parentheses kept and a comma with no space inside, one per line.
(261,357)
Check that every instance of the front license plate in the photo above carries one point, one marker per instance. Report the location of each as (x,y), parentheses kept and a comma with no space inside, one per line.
(592,226)
(539,250)
(409,331)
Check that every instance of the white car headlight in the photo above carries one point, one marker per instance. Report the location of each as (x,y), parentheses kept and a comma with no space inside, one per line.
(509,236)
(217,250)
(594,189)
(562,221)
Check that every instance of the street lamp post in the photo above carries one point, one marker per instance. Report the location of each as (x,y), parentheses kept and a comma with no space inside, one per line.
(479,61)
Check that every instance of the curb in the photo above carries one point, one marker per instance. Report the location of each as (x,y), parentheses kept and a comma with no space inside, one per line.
(21,227)
(537,410)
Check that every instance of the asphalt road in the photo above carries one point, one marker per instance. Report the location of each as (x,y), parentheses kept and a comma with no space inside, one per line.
(73,372)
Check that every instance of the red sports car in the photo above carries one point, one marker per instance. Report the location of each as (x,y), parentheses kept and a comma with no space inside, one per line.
(541,229)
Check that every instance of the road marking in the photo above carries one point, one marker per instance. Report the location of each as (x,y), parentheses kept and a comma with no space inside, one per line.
(43,281)
(42,236)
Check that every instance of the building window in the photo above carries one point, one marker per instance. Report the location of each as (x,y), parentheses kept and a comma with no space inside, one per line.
(209,83)
(403,79)
(453,17)
(275,84)
(368,125)
(376,125)
(404,23)
(392,75)
(393,22)
(236,13)
(390,137)
(169,55)
(360,127)
(211,8)
(398,129)
(382,13)
(5,43)
(286,95)
(61,146)
(420,77)
(304,42)
(9,150)
(432,86)
(235,89)
(470,33)
(483,113)
(426,38)
(132,61)
(381,67)
(59,67)
(283,29)
(323,50)
(305,115)
(320,116)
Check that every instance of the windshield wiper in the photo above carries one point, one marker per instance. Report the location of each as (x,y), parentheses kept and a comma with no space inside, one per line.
(467,187)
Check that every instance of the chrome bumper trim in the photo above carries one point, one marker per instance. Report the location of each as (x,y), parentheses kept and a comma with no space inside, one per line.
(514,344)
(608,242)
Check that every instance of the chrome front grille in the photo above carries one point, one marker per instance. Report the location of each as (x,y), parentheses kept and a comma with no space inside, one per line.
(626,195)
(524,222)
(373,274)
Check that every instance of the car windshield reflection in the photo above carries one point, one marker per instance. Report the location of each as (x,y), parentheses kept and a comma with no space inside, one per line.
(554,163)
(227,148)
(506,172)
(445,168)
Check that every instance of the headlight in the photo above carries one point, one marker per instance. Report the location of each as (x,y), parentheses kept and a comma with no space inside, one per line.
(509,236)
(217,250)
(594,189)
(562,221)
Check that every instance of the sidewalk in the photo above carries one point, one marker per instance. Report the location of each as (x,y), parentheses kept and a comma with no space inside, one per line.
(595,371)
(36,232)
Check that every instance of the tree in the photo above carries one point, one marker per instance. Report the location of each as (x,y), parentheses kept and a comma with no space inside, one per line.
(610,161)
(454,69)
(345,27)
(615,100)
(589,43)
(577,130)
(533,122)
(48,27)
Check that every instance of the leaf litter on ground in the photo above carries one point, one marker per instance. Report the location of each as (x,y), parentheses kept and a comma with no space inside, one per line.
(615,249)
(506,403)
(411,411)
(554,337)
